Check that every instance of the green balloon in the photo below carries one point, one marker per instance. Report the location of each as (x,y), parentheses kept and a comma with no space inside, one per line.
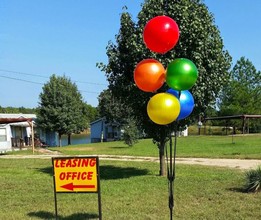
(181,74)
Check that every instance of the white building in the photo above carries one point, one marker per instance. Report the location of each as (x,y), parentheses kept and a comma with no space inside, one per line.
(16,132)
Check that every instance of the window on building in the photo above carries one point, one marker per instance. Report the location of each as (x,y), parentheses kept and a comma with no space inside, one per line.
(3,134)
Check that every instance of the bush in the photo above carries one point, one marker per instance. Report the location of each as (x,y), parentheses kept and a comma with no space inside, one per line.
(253,180)
(130,133)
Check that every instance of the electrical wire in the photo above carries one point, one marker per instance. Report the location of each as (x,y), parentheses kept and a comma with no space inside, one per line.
(41,76)
(29,81)
(23,80)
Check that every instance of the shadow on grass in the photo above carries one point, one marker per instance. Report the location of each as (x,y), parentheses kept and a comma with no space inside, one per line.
(109,172)
(125,147)
(76,216)
(46,170)
(238,189)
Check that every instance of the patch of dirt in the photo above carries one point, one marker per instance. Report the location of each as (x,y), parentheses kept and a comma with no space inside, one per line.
(46,151)
(230,163)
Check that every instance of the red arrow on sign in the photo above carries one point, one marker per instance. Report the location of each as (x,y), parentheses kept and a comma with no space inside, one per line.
(71,187)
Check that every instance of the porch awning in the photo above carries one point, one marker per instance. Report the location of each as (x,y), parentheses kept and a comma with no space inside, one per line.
(14,120)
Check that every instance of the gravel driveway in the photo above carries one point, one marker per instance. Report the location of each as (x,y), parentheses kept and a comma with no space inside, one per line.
(243,164)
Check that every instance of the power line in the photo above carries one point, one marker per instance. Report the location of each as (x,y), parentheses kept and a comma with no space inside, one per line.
(28,74)
(99,84)
(89,92)
(41,76)
(28,81)
(17,79)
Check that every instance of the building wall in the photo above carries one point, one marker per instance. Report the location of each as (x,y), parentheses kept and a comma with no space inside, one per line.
(51,139)
(5,138)
(97,131)
(19,134)
(101,131)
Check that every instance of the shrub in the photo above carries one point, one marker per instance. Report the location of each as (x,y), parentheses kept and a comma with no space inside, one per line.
(253,180)
(130,133)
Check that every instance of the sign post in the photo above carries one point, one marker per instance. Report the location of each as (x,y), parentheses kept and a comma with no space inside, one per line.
(76,175)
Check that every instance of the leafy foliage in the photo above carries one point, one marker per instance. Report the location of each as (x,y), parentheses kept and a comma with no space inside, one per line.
(61,108)
(199,41)
(92,113)
(114,110)
(242,95)
(131,134)
(18,110)
(253,180)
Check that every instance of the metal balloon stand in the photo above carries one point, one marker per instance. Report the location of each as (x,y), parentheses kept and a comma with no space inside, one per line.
(171,168)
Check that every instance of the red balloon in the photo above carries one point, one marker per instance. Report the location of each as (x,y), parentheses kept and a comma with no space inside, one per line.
(161,34)
(149,75)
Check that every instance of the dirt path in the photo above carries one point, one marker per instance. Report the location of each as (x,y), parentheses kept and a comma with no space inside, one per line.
(231,163)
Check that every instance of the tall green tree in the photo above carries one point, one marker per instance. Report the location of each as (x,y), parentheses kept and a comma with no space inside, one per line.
(92,113)
(114,110)
(61,108)
(108,106)
(242,94)
(199,41)
(111,107)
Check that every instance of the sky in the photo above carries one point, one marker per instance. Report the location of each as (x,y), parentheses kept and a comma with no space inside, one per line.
(39,38)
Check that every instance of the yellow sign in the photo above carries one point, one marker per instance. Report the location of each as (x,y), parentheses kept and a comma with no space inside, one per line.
(78,174)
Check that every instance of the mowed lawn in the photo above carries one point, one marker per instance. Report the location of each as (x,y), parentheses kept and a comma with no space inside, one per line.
(240,146)
(133,190)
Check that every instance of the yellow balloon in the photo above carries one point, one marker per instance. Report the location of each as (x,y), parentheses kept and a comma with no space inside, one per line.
(163,108)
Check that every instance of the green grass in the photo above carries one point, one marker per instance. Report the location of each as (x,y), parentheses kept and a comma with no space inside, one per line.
(129,190)
(244,147)
(133,190)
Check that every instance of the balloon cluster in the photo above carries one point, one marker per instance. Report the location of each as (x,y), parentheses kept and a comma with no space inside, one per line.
(160,35)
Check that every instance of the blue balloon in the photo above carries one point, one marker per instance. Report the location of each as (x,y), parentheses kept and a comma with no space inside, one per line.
(186,102)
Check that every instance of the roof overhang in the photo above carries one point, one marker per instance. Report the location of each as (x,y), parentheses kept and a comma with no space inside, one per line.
(232,117)
(14,120)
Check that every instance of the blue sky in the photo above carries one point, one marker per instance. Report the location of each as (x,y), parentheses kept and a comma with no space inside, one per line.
(39,38)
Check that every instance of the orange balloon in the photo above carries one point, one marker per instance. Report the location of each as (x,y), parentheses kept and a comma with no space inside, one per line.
(149,75)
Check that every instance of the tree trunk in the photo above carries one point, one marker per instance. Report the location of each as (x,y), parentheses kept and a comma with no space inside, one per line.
(69,139)
(162,171)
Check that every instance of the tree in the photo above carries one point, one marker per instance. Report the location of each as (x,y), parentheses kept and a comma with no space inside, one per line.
(92,113)
(130,132)
(111,107)
(114,110)
(242,94)
(199,41)
(15,110)
(61,108)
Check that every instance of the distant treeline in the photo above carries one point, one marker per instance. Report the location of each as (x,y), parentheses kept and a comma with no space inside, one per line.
(18,110)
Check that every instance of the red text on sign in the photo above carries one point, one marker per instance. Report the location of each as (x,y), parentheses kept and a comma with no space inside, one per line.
(76,176)
(77,162)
